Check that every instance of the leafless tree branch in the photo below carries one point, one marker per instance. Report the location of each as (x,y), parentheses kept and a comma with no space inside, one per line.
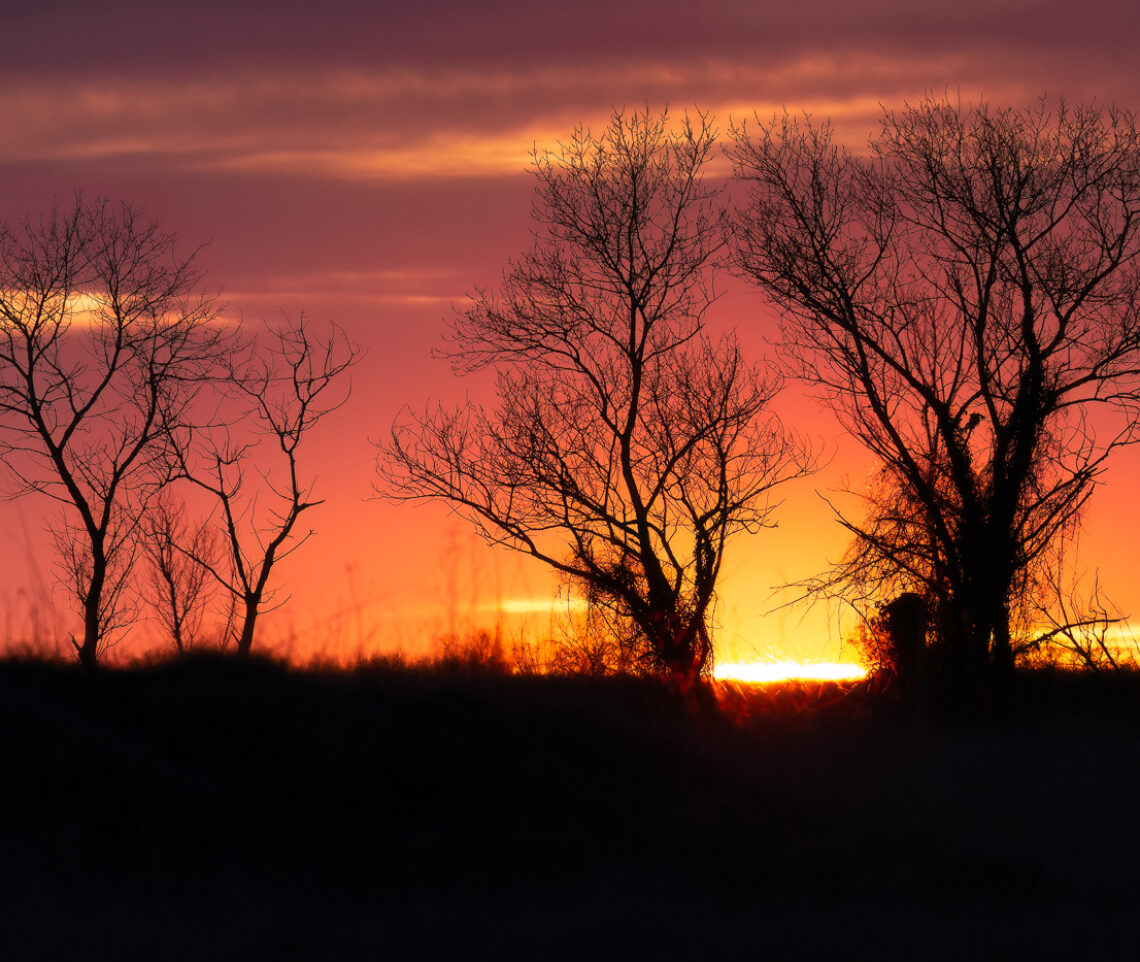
(626,445)
(106,341)
(965,297)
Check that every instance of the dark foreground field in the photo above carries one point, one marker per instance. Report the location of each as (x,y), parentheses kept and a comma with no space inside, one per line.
(212,810)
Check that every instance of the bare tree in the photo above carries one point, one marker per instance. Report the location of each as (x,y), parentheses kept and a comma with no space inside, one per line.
(1073,621)
(966,298)
(179,579)
(105,340)
(286,386)
(626,445)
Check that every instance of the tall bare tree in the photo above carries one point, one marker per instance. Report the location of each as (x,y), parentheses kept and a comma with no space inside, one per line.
(626,445)
(105,340)
(965,296)
(285,385)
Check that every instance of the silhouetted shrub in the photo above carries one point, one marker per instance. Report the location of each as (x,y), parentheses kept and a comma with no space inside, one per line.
(480,650)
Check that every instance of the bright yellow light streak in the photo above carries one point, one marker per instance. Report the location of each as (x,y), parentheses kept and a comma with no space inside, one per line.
(762,672)
(527,606)
(81,310)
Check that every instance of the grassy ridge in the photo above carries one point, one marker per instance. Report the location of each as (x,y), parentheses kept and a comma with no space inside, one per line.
(215,809)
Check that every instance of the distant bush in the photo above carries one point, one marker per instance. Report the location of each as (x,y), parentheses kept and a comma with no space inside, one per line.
(480,650)
(580,646)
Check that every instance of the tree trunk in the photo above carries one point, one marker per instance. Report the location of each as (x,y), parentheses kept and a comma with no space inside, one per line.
(88,652)
(1002,673)
(687,651)
(963,661)
(245,641)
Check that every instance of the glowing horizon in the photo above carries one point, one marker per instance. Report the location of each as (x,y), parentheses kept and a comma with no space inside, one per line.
(769,672)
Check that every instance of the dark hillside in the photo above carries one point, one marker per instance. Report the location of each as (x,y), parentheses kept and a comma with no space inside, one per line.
(212,809)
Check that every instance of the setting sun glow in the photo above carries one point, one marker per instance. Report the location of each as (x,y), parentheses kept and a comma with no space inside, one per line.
(763,672)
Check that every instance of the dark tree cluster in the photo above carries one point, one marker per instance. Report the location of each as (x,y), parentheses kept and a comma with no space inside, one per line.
(963,295)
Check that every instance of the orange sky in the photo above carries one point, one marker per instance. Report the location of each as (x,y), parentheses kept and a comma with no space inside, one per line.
(368,167)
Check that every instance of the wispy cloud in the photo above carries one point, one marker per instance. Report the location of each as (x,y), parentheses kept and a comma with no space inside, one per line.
(430,123)
(433,288)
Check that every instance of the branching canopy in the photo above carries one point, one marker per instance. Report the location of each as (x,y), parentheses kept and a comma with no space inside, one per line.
(105,340)
(626,444)
(966,298)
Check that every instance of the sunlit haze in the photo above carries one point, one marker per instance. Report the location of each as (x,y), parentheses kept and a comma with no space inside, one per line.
(761,672)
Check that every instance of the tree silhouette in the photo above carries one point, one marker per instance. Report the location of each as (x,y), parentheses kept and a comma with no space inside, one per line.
(626,445)
(180,555)
(285,385)
(105,341)
(965,297)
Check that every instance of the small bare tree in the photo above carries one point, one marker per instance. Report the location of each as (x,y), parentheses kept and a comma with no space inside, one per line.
(627,445)
(286,384)
(967,298)
(179,582)
(105,340)
(1073,621)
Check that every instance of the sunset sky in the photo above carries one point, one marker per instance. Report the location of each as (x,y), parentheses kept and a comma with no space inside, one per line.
(365,163)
